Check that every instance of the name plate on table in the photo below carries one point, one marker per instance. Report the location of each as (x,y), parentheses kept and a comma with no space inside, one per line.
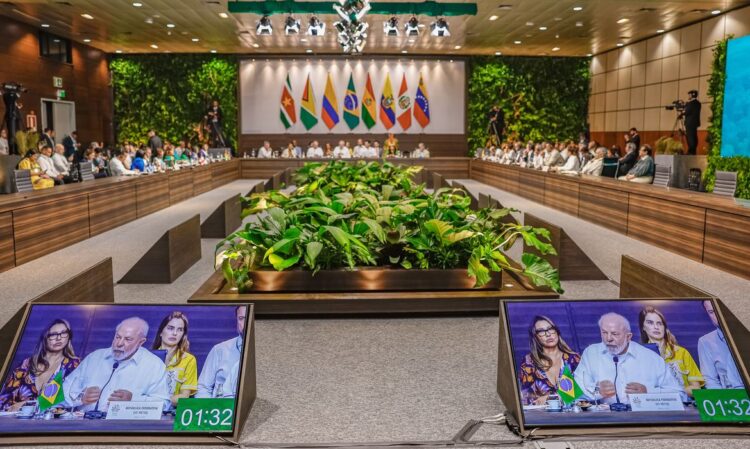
(135,410)
(656,402)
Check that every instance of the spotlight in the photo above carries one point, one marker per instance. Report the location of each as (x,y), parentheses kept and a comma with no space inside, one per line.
(390,27)
(264,27)
(316,27)
(352,32)
(440,28)
(291,26)
(412,27)
(352,10)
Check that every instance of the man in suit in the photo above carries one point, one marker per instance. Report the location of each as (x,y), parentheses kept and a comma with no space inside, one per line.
(628,161)
(692,121)
(71,145)
(154,141)
(633,136)
(48,137)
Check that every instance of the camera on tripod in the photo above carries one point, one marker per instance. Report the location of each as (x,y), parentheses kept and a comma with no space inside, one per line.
(677,105)
(12,87)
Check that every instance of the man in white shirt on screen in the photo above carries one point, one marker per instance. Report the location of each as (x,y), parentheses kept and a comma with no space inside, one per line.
(265,151)
(617,367)
(716,361)
(314,151)
(341,151)
(123,372)
(216,378)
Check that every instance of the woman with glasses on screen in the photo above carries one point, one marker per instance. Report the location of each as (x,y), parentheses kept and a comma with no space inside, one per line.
(182,368)
(53,354)
(654,329)
(541,369)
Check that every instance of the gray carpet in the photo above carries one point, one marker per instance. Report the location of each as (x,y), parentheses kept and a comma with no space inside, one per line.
(367,380)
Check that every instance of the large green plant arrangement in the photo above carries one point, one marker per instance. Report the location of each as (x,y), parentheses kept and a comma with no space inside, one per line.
(741,165)
(542,98)
(171,93)
(345,215)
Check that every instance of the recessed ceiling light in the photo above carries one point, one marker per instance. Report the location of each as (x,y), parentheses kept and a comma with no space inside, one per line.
(659,31)
(542,28)
(195,39)
(223,15)
(213,51)
(623,20)
(620,44)
(577,8)
(497,53)
(556,49)
(303,40)
(170,25)
(149,20)
(87,16)
(404,51)
(457,47)
(493,17)
(411,41)
(87,40)
(505,7)
(154,46)
(256,45)
(45,25)
(308,50)
(579,24)
(589,54)
(517,42)
(529,24)
(557,19)
(716,11)
(137,4)
(118,51)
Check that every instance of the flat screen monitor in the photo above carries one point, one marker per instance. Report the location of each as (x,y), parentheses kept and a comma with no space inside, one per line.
(623,362)
(125,369)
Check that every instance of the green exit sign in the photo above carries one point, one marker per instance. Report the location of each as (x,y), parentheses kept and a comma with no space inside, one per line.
(61,93)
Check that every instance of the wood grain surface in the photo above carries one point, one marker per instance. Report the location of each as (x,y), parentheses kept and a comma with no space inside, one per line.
(727,243)
(638,280)
(7,250)
(111,208)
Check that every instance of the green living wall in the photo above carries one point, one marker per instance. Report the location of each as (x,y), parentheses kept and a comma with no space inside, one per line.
(741,165)
(171,93)
(543,98)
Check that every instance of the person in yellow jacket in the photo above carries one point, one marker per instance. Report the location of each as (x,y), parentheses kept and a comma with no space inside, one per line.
(182,368)
(39,180)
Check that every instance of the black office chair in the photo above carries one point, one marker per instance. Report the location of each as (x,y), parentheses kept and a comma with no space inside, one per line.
(22,181)
(85,171)
(610,166)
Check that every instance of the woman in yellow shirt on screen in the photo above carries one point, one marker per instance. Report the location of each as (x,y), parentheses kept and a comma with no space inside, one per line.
(654,329)
(182,368)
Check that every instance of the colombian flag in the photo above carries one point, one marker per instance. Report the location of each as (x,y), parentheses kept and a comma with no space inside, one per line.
(422,104)
(330,105)
(368,104)
(307,108)
(404,105)
(387,106)
(52,393)
(567,387)
(287,112)
(351,105)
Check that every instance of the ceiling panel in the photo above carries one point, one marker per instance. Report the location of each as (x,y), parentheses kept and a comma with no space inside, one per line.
(543,27)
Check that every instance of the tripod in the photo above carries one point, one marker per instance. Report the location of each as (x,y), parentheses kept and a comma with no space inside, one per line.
(678,129)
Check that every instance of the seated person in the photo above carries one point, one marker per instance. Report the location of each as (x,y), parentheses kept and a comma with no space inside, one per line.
(572,164)
(90,156)
(376,150)
(203,152)
(139,162)
(594,166)
(643,171)
(182,368)
(159,164)
(62,164)
(314,151)
(327,150)
(539,156)
(169,158)
(52,354)
(360,150)
(341,151)
(628,161)
(117,165)
(715,358)
(542,368)
(39,180)
(421,152)
(123,372)
(638,369)
(288,152)
(212,382)
(390,145)
(48,166)
(265,151)
(554,157)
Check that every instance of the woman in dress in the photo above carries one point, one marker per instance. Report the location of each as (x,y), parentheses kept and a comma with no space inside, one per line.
(53,354)
(542,368)
(182,368)
(390,146)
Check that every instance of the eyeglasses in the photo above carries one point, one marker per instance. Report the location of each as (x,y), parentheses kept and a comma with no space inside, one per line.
(58,335)
(545,331)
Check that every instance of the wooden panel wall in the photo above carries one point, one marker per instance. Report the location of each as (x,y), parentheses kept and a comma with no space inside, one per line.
(638,280)
(202,180)
(180,186)
(605,207)
(727,242)
(561,194)
(86,81)
(7,250)
(111,208)
(152,194)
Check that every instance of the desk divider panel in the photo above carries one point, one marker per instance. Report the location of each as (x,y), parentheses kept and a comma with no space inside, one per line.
(224,220)
(638,280)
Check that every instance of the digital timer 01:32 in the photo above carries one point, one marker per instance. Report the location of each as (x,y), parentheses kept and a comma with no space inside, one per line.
(204,415)
(732,406)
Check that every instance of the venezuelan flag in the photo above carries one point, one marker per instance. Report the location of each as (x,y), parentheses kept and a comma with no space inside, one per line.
(387,106)
(330,105)
(422,104)
(307,113)
(567,387)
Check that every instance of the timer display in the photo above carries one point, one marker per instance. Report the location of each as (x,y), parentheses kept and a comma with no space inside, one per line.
(723,405)
(204,415)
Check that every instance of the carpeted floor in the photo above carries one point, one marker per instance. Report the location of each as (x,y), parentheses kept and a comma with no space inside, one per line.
(368,380)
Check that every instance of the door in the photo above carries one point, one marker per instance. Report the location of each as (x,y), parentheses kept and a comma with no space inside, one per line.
(60,116)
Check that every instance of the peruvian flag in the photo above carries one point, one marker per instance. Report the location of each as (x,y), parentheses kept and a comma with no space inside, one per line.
(404,105)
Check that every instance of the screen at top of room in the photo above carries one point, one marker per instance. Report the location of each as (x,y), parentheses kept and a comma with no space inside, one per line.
(359,96)
(639,362)
(124,368)
(735,132)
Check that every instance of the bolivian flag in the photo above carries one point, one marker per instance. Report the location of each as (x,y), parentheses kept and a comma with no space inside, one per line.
(330,105)
(422,104)
(387,105)
(307,112)
(351,105)
(567,387)
(368,104)
(52,393)
(287,112)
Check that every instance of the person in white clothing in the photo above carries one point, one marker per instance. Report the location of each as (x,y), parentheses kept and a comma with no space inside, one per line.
(615,368)
(595,165)
(215,380)
(341,151)
(117,165)
(421,152)
(360,149)
(314,151)
(716,360)
(265,151)
(4,145)
(48,166)
(123,372)
(61,163)
(572,164)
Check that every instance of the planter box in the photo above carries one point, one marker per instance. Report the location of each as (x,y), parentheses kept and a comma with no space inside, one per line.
(365,279)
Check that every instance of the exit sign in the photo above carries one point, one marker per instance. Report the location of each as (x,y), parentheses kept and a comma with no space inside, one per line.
(57,81)
(61,93)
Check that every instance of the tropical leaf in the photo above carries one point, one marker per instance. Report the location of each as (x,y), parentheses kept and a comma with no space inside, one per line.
(541,272)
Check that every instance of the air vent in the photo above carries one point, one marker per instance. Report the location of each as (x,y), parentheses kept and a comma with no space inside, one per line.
(505,7)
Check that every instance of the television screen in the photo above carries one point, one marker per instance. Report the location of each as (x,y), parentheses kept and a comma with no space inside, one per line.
(735,134)
(138,369)
(583,363)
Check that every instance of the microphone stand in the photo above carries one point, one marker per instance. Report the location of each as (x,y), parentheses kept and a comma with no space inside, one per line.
(617,406)
(95,413)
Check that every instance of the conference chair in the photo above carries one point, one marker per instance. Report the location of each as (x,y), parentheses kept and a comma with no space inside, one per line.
(610,166)
(662,176)
(726,183)
(85,171)
(22,179)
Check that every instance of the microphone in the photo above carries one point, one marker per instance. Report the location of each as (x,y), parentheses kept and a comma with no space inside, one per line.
(617,406)
(95,413)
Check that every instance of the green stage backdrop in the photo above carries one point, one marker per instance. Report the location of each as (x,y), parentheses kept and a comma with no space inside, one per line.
(741,165)
(543,98)
(171,93)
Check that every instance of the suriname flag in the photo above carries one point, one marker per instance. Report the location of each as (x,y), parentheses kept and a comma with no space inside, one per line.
(52,393)
(567,387)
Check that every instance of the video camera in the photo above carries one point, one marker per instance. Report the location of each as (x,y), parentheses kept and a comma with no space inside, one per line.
(678,105)
(12,87)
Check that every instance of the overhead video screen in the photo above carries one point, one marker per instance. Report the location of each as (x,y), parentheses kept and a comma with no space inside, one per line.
(735,134)
(584,363)
(121,368)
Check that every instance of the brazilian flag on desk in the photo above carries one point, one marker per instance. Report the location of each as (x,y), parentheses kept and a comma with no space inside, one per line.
(52,394)
(567,387)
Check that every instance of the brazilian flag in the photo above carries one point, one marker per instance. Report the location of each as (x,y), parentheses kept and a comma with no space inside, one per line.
(567,387)
(52,393)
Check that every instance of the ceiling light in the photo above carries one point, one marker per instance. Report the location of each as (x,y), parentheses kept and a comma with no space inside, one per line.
(440,28)
(579,24)
(118,51)
(223,15)
(154,46)
(493,17)
(45,25)
(542,28)
(213,51)
(87,16)
(556,49)
(412,27)
(659,31)
(577,8)
(623,20)
(716,11)
(303,39)
(256,45)
(137,4)
(505,7)
(170,25)
(308,50)
(404,51)
(390,27)
(457,47)
(589,54)
(87,40)
(497,53)
(264,27)
(291,26)
(195,39)
(316,27)
(620,44)
(149,20)
(529,24)
(517,42)
(411,41)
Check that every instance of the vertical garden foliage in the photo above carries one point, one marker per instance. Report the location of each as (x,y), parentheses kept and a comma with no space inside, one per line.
(542,98)
(170,93)
(741,165)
